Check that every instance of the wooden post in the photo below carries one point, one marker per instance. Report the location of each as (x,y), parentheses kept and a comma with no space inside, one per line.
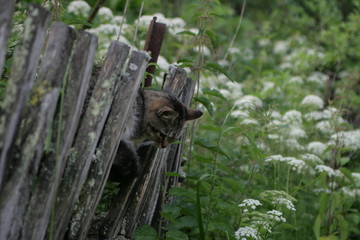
(105,153)
(87,137)
(6,12)
(40,205)
(21,80)
(154,39)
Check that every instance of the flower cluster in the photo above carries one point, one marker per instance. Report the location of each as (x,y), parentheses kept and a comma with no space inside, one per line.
(313,100)
(294,163)
(251,203)
(285,202)
(247,232)
(276,215)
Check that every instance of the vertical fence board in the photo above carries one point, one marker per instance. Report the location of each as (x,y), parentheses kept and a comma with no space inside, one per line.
(40,206)
(6,12)
(177,83)
(24,160)
(21,80)
(124,98)
(87,137)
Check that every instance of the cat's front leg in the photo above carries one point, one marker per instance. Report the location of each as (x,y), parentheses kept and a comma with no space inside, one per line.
(126,164)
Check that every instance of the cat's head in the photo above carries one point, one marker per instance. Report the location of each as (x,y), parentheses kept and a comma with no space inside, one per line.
(165,117)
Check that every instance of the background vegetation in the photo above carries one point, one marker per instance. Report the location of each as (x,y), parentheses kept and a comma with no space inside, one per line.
(276,155)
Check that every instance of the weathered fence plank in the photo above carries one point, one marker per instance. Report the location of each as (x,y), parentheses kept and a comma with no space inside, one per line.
(136,202)
(87,137)
(6,12)
(64,126)
(21,80)
(28,149)
(179,84)
(125,95)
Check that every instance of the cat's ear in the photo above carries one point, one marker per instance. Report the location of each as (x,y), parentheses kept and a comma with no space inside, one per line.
(167,113)
(193,114)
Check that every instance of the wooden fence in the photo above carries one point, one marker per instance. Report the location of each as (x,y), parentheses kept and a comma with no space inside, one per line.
(54,163)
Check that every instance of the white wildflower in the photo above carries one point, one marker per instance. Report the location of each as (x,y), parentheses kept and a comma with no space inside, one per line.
(105,14)
(275,158)
(261,224)
(313,100)
(234,50)
(79,8)
(264,42)
(163,63)
(240,114)
(275,124)
(293,117)
(325,127)
(274,114)
(296,164)
(249,121)
(348,139)
(355,193)
(318,78)
(276,215)
(323,168)
(273,136)
(356,177)
(297,132)
(296,80)
(311,158)
(235,88)
(244,232)
(117,20)
(316,147)
(252,203)
(322,190)
(314,116)
(285,202)
(286,65)
(268,85)
(293,144)
(249,102)
(291,161)
(281,47)
(202,50)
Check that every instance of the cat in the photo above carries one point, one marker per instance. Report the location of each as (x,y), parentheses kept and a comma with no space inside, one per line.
(156,116)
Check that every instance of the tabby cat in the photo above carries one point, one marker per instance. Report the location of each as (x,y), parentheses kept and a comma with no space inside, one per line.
(156,116)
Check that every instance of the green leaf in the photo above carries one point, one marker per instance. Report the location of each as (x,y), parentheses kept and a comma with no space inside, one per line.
(344,227)
(347,174)
(211,128)
(186,33)
(206,102)
(145,232)
(213,92)
(198,212)
(176,235)
(344,160)
(170,212)
(185,222)
(215,67)
(317,226)
(213,38)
